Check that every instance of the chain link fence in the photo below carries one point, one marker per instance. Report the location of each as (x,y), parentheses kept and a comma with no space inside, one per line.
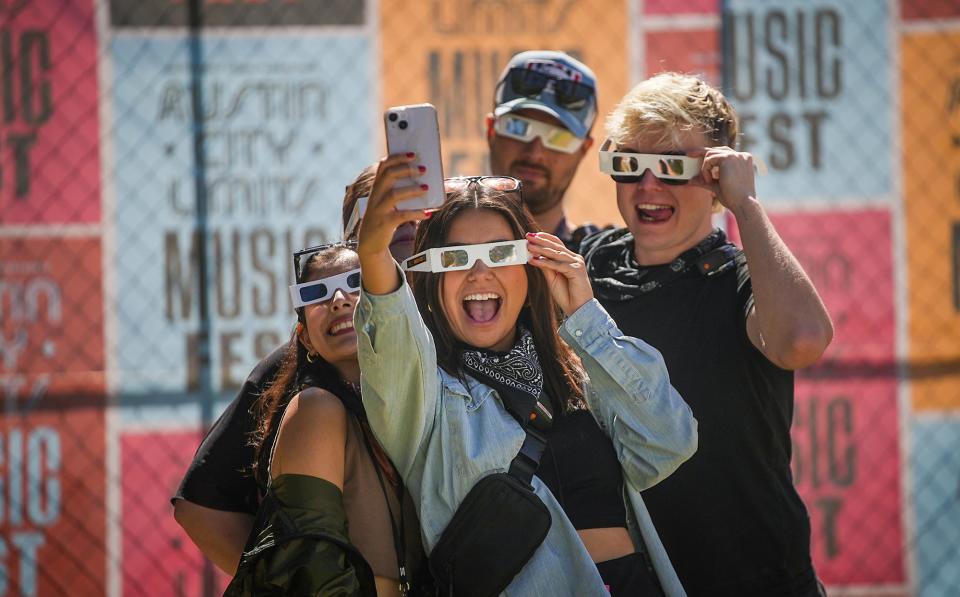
(161,159)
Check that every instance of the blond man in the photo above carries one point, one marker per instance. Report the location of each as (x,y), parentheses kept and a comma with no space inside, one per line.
(732,326)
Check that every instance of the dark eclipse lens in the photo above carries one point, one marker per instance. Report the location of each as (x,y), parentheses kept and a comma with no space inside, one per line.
(313,293)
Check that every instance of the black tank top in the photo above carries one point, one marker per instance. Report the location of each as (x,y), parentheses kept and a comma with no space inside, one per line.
(581,469)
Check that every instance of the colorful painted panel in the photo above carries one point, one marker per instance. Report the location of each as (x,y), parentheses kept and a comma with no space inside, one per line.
(451,55)
(931,170)
(49,138)
(811,86)
(285,129)
(52,463)
(158,556)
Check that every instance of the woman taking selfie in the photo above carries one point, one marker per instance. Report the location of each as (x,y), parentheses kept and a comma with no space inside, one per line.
(325,471)
(465,378)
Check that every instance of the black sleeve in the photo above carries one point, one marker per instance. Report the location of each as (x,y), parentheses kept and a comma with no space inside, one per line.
(221,474)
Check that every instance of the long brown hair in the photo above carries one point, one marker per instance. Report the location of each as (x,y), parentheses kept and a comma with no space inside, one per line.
(563,375)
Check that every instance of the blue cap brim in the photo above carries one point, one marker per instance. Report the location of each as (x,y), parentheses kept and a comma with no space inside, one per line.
(571,122)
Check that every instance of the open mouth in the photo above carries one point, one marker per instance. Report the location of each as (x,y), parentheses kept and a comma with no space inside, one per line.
(341,326)
(654,213)
(482,307)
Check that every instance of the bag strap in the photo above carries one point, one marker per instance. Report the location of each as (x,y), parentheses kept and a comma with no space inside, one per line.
(525,464)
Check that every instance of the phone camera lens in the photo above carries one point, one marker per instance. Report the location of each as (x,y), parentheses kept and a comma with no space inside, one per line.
(403,124)
(393,116)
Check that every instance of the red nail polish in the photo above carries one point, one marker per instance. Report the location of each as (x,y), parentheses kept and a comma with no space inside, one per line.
(425,187)
(427,213)
(422,169)
(531,235)
(410,154)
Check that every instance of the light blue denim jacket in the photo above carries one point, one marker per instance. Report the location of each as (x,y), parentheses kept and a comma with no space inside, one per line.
(445,434)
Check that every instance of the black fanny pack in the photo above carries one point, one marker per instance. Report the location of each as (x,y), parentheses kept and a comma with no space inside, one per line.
(495,530)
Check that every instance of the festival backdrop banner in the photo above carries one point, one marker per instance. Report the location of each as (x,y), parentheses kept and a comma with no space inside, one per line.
(52,511)
(49,139)
(846,460)
(286,127)
(452,53)
(810,83)
(915,10)
(695,51)
(249,13)
(931,171)
(671,8)
(935,454)
(158,557)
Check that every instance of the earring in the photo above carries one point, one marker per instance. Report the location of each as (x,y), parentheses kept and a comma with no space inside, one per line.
(312,357)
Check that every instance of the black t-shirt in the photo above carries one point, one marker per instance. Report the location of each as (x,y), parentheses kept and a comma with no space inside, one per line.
(221,474)
(730,518)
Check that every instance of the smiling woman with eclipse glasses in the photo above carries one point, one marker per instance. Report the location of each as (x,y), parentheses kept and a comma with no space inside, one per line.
(524,449)
(336,518)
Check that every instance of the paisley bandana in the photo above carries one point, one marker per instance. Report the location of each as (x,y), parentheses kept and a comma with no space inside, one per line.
(515,374)
(616,276)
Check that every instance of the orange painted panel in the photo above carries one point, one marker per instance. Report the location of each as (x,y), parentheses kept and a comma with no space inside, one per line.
(931,174)
(451,53)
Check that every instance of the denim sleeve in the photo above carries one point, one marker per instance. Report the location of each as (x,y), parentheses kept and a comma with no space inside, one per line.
(398,372)
(629,394)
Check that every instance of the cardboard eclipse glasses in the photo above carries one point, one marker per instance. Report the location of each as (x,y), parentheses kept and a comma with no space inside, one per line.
(627,167)
(320,290)
(461,257)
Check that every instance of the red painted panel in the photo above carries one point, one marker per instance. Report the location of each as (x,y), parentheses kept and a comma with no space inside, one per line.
(49,138)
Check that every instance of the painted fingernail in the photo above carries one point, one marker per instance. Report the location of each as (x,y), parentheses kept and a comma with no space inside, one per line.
(422,168)
(424,187)
(427,213)
(531,235)
(410,154)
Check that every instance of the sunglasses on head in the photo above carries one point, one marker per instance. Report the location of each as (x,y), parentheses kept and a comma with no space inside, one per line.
(570,94)
(505,184)
(323,289)
(523,129)
(460,257)
(626,167)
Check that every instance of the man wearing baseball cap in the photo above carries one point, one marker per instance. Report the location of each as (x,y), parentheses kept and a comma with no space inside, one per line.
(539,131)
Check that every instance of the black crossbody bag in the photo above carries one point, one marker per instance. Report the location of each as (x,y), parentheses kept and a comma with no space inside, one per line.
(495,530)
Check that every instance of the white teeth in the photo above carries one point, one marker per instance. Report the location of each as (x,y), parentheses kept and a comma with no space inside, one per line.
(652,207)
(483,296)
(343,325)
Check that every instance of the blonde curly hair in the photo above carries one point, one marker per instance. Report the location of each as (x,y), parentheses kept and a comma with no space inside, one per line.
(670,104)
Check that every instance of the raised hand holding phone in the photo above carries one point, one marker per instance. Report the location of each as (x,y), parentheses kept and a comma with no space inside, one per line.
(384,215)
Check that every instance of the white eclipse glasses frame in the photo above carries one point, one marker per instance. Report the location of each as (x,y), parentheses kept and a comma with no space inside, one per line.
(676,168)
(461,257)
(556,138)
(344,281)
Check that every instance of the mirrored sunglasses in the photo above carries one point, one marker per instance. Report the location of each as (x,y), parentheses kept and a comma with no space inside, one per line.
(530,83)
(523,129)
(449,259)
(323,289)
(629,168)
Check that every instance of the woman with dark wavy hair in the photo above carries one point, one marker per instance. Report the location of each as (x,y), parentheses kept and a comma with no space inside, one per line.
(464,365)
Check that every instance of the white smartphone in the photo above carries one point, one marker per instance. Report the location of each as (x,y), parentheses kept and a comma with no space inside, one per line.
(415,129)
